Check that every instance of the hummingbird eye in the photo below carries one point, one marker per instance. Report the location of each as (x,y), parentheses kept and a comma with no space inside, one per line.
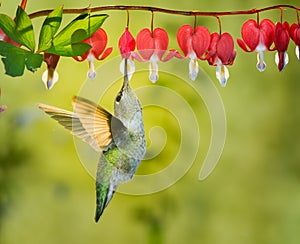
(119,96)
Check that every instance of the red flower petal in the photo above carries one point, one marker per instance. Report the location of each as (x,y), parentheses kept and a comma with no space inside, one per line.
(161,41)
(225,47)
(281,36)
(200,41)
(82,57)
(232,57)
(243,46)
(184,38)
(79,58)
(98,42)
(148,42)
(145,43)
(250,34)
(126,43)
(105,53)
(172,53)
(267,28)
(292,31)
(212,50)
(51,60)
(295,33)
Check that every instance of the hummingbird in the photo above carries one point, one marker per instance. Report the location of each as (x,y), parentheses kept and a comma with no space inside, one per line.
(119,138)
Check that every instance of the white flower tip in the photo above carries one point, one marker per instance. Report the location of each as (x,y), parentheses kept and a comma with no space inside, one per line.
(261,66)
(222,74)
(222,82)
(49,78)
(193,69)
(298,52)
(153,77)
(193,75)
(153,71)
(91,74)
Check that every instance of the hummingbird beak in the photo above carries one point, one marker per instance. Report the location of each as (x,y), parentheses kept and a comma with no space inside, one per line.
(126,81)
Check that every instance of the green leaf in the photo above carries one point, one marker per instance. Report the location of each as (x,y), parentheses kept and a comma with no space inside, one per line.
(25,29)
(77,35)
(49,28)
(14,66)
(15,59)
(89,24)
(33,61)
(75,49)
(9,27)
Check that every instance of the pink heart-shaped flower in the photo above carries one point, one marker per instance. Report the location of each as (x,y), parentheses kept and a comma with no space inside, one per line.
(184,38)
(148,42)
(126,43)
(281,36)
(201,41)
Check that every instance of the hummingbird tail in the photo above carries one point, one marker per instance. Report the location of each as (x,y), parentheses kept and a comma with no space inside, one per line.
(103,196)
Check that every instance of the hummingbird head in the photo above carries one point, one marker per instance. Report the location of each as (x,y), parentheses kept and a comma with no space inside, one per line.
(126,102)
(127,105)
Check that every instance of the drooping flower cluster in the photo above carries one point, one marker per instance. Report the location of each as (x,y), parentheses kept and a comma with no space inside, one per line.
(261,36)
(196,43)
(217,49)
(152,47)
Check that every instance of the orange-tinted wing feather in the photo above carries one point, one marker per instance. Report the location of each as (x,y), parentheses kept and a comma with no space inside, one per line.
(71,122)
(94,119)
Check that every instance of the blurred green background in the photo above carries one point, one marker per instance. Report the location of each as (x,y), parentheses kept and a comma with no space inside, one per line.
(253,195)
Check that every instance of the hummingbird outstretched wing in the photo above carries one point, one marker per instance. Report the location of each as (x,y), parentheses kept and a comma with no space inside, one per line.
(89,122)
(94,119)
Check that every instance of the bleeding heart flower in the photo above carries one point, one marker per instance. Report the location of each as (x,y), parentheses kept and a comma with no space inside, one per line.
(152,45)
(50,76)
(281,41)
(258,37)
(221,53)
(127,46)
(2,107)
(295,35)
(98,43)
(194,44)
